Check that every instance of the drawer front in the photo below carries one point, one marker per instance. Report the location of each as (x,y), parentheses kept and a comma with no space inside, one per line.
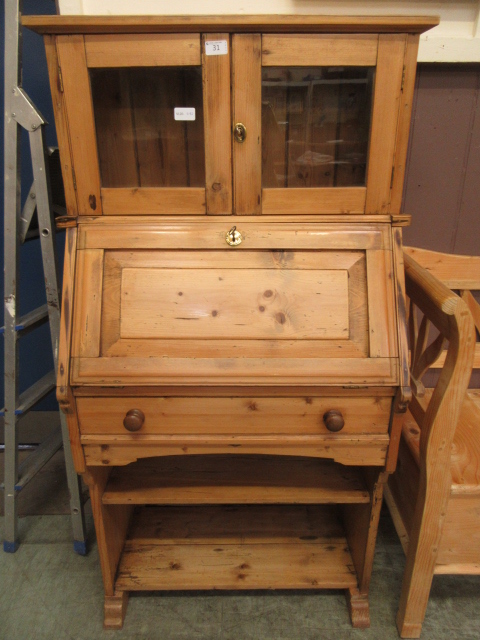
(192,425)
(244,415)
(292,304)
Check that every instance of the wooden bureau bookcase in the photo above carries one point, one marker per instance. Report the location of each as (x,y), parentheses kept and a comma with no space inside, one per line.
(233,357)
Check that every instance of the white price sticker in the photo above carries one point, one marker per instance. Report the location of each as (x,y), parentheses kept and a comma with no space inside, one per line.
(184,113)
(216,48)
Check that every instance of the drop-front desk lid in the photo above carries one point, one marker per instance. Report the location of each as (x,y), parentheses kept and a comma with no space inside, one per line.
(174,303)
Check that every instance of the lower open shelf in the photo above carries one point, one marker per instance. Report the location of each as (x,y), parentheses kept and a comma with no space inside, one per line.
(235,479)
(236,547)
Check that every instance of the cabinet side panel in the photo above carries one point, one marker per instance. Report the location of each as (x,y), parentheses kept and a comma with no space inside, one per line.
(405,112)
(71,54)
(388,83)
(65,338)
(247,109)
(61,125)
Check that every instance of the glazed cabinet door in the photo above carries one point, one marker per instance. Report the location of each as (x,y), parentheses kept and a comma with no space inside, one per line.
(312,119)
(317,121)
(149,119)
(173,304)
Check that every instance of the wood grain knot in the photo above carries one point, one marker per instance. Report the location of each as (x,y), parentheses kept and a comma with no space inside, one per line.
(280,317)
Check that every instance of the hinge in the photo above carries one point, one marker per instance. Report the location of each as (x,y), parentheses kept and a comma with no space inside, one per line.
(64,222)
(74,179)
(401,220)
(403,79)
(60,79)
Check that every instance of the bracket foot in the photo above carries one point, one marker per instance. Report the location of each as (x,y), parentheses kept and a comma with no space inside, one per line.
(358,608)
(115,609)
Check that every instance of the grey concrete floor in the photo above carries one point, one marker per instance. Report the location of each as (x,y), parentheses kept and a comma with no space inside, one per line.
(47,591)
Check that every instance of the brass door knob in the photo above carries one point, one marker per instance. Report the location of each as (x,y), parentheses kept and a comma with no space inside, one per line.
(134,420)
(334,420)
(233,237)
(240,132)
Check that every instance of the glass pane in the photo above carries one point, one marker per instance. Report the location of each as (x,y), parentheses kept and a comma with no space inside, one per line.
(140,143)
(315,126)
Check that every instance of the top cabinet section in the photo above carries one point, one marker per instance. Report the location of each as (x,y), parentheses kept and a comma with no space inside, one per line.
(233,123)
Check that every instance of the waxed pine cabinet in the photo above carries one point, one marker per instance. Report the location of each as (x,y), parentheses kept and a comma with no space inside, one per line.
(233,356)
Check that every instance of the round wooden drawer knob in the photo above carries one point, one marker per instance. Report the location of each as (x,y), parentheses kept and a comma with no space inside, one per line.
(134,420)
(334,420)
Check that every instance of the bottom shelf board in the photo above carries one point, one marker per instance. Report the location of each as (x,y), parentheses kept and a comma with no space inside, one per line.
(236,547)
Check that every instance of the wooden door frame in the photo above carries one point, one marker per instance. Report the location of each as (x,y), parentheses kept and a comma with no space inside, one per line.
(78,53)
(386,53)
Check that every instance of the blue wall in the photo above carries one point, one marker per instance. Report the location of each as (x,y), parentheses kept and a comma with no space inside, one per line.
(35,348)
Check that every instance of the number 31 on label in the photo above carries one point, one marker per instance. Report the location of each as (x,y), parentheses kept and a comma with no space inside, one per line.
(216,47)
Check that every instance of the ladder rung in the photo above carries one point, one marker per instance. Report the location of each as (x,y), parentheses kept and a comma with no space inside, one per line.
(31,319)
(21,447)
(36,460)
(35,393)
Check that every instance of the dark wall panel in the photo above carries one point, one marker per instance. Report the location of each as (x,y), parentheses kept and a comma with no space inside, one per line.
(467,238)
(442,190)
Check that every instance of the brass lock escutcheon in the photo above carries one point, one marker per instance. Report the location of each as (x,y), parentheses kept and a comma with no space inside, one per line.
(233,237)
(240,132)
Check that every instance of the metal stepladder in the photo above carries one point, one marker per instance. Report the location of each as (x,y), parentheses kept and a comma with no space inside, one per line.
(20,112)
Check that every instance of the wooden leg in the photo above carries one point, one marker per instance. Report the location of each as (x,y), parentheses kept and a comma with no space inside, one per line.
(361,525)
(417,581)
(408,630)
(111,525)
(358,608)
(115,609)
(424,540)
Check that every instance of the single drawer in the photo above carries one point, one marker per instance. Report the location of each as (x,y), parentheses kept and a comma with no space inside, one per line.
(233,416)
(349,430)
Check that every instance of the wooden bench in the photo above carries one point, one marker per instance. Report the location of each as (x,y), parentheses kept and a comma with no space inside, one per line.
(434,495)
